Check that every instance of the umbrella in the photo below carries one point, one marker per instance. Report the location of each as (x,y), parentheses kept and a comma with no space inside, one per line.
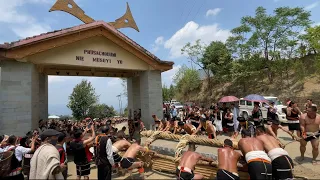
(228,99)
(255,98)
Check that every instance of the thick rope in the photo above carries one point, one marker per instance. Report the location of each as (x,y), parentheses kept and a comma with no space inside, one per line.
(153,135)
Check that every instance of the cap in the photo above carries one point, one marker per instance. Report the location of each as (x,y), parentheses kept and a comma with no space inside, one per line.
(48,133)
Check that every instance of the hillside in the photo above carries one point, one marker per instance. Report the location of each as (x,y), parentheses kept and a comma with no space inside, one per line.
(289,86)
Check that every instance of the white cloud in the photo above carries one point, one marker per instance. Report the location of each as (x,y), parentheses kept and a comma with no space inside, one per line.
(213,12)
(167,77)
(32,29)
(157,43)
(21,23)
(311,6)
(192,32)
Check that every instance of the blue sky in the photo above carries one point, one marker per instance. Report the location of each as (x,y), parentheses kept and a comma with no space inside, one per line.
(165,26)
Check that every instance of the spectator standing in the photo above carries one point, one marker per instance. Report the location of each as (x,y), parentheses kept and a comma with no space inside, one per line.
(104,155)
(80,150)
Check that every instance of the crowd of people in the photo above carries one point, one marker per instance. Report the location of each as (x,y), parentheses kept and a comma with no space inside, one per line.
(263,154)
(42,153)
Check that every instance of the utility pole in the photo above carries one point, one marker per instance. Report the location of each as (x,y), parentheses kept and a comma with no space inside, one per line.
(120,103)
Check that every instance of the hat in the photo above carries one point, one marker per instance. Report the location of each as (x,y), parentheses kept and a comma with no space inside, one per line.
(48,133)
(241,119)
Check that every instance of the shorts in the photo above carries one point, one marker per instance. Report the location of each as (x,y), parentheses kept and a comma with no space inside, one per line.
(116,157)
(226,175)
(282,168)
(257,123)
(182,175)
(260,170)
(126,162)
(312,137)
(294,126)
(230,128)
(83,170)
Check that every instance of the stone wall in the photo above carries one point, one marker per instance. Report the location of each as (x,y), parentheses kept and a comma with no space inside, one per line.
(19,97)
(151,96)
(145,92)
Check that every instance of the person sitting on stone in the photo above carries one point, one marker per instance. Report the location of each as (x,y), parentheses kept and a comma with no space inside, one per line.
(128,159)
(189,159)
(227,162)
(259,164)
(282,165)
(208,126)
(185,128)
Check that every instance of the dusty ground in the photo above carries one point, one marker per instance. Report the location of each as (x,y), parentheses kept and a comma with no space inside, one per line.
(302,169)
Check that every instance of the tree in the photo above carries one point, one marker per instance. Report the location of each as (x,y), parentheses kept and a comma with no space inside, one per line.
(268,36)
(313,38)
(101,111)
(187,80)
(217,58)
(168,93)
(81,99)
(195,54)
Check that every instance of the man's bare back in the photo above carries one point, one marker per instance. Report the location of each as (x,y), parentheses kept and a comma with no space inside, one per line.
(269,142)
(189,159)
(122,145)
(250,144)
(228,159)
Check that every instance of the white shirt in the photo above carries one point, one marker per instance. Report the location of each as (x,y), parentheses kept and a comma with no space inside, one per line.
(19,151)
(109,152)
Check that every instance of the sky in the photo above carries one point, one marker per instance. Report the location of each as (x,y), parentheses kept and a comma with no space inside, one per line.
(165,27)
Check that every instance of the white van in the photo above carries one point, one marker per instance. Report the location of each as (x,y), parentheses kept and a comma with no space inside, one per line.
(246,107)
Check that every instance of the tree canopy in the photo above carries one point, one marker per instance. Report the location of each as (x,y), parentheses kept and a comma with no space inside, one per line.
(267,52)
(82,99)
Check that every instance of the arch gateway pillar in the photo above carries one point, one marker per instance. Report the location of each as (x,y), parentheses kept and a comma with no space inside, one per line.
(94,49)
(145,93)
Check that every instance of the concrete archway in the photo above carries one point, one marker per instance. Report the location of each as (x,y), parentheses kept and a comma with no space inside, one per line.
(94,49)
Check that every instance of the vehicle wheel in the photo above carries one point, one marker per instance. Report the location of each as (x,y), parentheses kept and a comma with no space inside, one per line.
(245,115)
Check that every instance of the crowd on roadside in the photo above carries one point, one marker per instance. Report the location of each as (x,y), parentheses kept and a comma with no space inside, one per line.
(17,153)
(262,151)
(42,153)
